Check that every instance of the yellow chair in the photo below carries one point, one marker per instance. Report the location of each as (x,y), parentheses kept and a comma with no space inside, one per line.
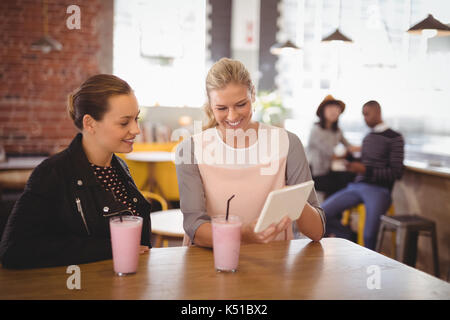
(165,172)
(361,211)
(157,197)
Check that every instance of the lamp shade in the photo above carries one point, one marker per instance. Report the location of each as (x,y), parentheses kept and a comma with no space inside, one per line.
(430,23)
(337,36)
(281,48)
(46,44)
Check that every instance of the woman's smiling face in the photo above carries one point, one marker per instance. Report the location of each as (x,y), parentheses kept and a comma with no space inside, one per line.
(332,112)
(116,131)
(232,107)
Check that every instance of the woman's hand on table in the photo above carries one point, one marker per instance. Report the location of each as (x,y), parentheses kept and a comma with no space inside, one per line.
(266,236)
(143,249)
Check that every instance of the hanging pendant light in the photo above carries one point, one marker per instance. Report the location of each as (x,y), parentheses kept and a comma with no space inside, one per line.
(284,48)
(430,27)
(337,36)
(46,43)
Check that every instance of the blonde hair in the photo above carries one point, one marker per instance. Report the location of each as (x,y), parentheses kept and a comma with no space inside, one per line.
(222,73)
(92,97)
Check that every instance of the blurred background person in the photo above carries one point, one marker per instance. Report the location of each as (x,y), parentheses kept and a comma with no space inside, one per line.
(323,139)
(381,164)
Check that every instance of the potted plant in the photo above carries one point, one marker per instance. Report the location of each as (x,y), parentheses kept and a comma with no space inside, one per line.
(269,108)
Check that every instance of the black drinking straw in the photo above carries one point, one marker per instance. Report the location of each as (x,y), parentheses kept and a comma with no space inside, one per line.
(228,206)
(120,213)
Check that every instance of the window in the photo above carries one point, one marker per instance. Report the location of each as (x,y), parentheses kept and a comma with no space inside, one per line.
(159,49)
(409,75)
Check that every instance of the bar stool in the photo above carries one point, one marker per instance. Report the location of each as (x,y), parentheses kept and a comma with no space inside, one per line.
(154,196)
(360,209)
(408,228)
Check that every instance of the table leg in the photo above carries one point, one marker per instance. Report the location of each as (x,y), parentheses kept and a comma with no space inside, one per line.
(158,241)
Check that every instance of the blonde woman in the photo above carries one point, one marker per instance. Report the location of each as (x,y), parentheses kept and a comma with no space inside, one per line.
(234,155)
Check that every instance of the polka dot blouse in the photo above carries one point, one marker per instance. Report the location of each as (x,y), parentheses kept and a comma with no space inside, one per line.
(110,180)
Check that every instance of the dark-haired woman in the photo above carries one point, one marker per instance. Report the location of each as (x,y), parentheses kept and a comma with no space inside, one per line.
(62,218)
(324,137)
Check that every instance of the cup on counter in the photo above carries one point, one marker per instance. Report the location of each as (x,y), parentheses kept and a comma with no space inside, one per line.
(125,241)
(226,242)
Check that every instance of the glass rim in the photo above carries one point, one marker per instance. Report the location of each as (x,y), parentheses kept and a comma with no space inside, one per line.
(127,217)
(231,217)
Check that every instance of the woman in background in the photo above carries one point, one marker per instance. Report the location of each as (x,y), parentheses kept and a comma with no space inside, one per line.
(323,139)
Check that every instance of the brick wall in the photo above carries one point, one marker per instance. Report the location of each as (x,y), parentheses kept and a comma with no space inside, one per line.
(34,85)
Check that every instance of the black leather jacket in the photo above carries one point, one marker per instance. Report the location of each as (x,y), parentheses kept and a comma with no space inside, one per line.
(62,218)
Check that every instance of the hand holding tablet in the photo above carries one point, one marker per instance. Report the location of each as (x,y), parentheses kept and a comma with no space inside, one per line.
(288,201)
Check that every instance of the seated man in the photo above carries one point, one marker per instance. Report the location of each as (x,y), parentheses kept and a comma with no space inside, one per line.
(381,164)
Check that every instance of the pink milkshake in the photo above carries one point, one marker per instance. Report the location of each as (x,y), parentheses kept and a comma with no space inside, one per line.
(226,242)
(125,241)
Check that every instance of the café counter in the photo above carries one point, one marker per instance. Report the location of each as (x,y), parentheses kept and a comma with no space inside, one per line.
(424,190)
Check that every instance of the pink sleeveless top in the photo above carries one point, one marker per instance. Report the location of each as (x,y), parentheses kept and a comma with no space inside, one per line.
(248,173)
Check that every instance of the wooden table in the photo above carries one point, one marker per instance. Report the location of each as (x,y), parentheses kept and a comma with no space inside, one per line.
(299,269)
(16,163)
(14,172)
(167,224)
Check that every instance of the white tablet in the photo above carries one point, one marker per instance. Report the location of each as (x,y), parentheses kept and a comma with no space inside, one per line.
(288,201)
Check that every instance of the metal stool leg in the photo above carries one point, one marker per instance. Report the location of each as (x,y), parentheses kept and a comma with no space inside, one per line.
(380,237)
(401,244)
(435,251)
(393,244)
(158,241)
(411,248)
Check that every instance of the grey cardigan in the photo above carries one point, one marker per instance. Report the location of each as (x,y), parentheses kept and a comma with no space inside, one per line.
(321,148)
(192,196)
